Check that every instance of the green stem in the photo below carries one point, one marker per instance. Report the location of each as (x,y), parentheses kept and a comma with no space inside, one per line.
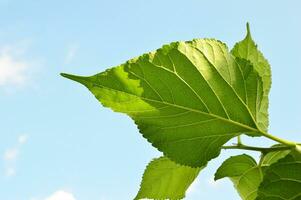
(260,149)
(261,159)
(282,141)
(260,164)
(239,140)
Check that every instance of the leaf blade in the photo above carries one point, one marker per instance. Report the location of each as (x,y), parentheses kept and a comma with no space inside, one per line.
(153,90)
(245,174)
(248,50)
(164,179)
(282,179)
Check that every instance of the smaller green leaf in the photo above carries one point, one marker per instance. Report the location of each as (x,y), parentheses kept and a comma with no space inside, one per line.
(274,156)
(253,88)
(244,173)
(164,179)
(282,180)
(235,166)
(248,50)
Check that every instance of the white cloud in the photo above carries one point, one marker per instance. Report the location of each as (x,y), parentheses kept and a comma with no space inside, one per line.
(13,72)
(71,52)
(22,139)
(61,195)
(16,69)
(10,171)
(10,156)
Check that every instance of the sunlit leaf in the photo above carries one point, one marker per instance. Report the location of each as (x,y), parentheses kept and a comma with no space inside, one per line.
(248,50)
(164,179)
(245,174)
(187,98)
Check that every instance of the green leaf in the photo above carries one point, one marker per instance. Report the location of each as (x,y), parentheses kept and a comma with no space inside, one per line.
(253,85)
(235,166)
(164,179)
(273,157)
(187,98)
(282,180)
(245,174)
(247,50)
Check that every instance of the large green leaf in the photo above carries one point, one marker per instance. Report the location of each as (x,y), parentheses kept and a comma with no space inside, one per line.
(282,180)
(164,179)
(187,98)
(248,50)
(245,174)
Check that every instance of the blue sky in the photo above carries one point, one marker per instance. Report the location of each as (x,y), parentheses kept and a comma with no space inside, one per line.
(58,143)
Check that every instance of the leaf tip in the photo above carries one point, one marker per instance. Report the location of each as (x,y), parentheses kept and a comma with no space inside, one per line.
(64,75)
(248,30)
(217,175)
(80,79)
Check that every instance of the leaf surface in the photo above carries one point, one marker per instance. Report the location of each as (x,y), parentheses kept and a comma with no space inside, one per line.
(245,174)
(248,50)
(273,157)
(187,98)
(282,180)
(164,179)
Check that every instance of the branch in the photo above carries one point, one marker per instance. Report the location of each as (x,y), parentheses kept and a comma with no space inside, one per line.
(260,149)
